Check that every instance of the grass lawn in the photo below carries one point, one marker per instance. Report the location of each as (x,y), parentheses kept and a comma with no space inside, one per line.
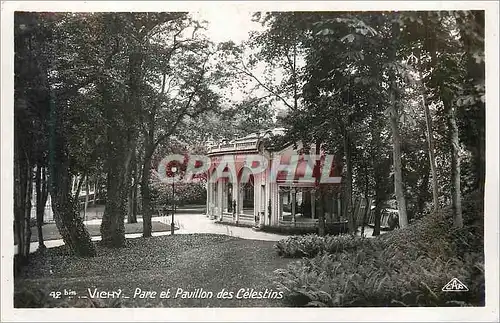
(50,231)
(207,261)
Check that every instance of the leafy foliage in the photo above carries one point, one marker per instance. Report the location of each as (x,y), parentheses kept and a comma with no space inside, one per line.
(185,193)
(356,65)
(406,267)
(312,245)
(330,228)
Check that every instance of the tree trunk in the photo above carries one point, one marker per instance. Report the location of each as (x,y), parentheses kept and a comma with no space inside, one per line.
(79,187)
(396,138)
(130,206)
(430,143)
(423,191)
(65,210)
(381,169)
(348,190)
(121,149)
(398,173)
(22,202)
(67,217)
(64,207)
(41,201)
(146,194)
(138,198)
(378,216)
(455,165)
(338,172)
(367,204)
(87,190)
(134,203)
(96,189)
(380,195)
(27,216)
(321,198)
(132,195)
(112,226)
(113,220)
(73,180)
(453,139)
(321,213)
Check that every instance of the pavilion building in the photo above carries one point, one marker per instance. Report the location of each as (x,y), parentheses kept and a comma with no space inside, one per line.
(267,197)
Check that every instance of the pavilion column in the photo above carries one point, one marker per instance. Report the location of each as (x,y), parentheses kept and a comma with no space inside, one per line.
(262,203)
(276,204)
(213,201)
(220,202)
(279,209)
(294,198)
(214,197)
(256,199)
(224,196)
(208,197)
(220,196)
(234,200)
(239,202)
(313,203)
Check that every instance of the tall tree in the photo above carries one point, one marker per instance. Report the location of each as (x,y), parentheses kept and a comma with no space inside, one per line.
(41,201)
(130,34)
(185,69)
(43,91)
(394,122)
(451,60)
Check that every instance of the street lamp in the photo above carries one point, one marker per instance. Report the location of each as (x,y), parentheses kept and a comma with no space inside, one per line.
(173,169)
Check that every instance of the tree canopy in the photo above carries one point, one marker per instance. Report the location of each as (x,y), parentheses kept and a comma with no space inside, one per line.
(397,97)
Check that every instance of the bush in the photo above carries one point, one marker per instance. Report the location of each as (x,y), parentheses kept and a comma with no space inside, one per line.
(311,245)
(185,193)
(330,228)
(348,279)
(406,267)
(289,230)
(336,228)
(300,246)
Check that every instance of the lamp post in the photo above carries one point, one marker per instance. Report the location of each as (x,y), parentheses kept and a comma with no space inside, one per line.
(173,169)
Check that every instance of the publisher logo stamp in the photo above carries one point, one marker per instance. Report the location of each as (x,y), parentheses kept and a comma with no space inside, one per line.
(455,285)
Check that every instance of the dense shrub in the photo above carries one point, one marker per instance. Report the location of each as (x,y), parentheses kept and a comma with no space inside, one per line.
(300,246)
(311,245)
(336,228)
(406,267)
(185,193)
(288,230)
(330,228)
(349,279)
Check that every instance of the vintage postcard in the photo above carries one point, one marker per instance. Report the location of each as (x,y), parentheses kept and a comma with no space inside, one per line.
(241,161)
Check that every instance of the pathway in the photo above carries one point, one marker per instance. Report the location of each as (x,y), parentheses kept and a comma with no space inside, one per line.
(187,223)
